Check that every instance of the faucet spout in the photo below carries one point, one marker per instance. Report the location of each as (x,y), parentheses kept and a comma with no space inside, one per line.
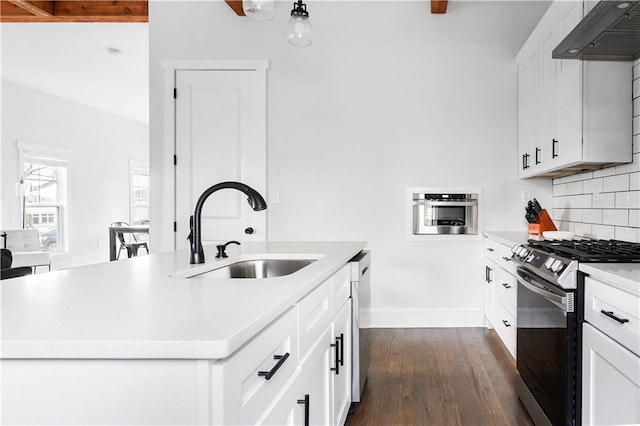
(255,200)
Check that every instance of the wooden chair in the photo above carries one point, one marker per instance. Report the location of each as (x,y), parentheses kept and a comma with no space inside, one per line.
(132,246)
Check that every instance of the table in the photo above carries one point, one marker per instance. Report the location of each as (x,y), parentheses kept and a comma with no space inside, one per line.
(138,229)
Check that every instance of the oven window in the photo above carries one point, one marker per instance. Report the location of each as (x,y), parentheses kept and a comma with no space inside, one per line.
(542,340)
(450,216)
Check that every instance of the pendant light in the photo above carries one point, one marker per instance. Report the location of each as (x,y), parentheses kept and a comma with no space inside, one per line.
(260,10)
(299,27)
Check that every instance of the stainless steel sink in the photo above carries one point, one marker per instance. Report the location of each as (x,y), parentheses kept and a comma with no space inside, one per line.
(259,268)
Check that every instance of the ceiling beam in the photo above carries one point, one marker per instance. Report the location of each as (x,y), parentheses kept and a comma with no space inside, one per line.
(438,6)
(37,8)
(74,11)
(236,5)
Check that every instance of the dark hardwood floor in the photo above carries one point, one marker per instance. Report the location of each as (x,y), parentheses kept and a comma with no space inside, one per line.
(439,376)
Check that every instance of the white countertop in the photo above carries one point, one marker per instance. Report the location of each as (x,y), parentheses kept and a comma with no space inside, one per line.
(510,238)
(133,309)
(625,276)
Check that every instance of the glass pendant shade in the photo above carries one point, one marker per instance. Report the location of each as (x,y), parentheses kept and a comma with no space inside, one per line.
(299,31)
(261,10)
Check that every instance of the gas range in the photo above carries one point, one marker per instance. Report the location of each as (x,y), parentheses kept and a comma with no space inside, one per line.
(557,260)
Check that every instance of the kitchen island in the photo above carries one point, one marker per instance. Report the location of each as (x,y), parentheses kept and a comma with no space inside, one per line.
(135,341)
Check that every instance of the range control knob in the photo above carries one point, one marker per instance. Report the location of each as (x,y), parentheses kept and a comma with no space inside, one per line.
(549,262)
(556,265)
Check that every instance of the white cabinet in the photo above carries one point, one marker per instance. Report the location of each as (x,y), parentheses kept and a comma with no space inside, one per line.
(572,114)
(500,299)
(611,381)
(320,392)
(610,356)
(341,370)
(245,384)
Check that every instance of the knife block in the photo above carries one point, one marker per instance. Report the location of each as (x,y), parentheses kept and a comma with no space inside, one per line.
(544,224)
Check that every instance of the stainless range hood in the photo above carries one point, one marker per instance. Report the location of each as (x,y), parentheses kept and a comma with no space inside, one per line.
(610,32)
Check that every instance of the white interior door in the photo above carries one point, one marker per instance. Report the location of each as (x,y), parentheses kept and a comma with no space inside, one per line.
(220,136)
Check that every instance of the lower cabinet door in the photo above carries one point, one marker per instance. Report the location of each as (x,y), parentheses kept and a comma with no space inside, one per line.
(316,377)
(289,409)
(611,381)
(341,368)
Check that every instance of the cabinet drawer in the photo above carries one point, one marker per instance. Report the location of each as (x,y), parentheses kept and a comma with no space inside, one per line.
(340,289)
(500,253)
(614,312)
(241,392)
(507,287)
(506,327)
(314,312)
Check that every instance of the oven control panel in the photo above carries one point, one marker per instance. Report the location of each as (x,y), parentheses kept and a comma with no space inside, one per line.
(538,259)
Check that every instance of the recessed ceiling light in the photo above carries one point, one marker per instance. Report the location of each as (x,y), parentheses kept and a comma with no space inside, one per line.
(623,5)
(573,51)
(114,51)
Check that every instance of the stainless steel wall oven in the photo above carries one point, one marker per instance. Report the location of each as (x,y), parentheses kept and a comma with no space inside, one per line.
(440,213)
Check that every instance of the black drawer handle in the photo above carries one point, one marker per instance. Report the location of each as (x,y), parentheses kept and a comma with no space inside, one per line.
(506,323)
(505,285)
(305,401)
(490,249)
(506,259)
(341,348)
(337,357)
(613,317)
(269,374)
(554,154)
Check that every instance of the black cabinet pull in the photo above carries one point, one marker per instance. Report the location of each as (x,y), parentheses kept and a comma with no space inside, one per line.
(506,323)
(505,285)
(337,356)
(269,374)
(341,349)
(537,157)
(488,274)
(305,401)
(613,317)
(490,249)
(554,154)
(526,161)
(506,259)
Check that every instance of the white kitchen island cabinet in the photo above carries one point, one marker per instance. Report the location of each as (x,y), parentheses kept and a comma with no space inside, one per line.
(572,115)
(200,351)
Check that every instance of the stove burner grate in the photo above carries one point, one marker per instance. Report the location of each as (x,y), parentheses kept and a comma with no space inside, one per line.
(590,251)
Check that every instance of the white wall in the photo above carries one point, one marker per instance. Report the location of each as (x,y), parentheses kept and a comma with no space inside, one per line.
(604,203)
(388,97)
(100,146)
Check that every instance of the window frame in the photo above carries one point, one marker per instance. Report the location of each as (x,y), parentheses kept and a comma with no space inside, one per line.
(63,155)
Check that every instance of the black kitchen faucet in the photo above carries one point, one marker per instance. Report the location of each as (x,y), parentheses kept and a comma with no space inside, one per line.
(256,201)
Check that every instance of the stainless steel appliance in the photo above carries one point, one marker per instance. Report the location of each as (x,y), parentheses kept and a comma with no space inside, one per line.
(360,344)
(550,316)
(440,213)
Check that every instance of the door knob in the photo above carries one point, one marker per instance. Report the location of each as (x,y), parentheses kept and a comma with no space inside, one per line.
(248,231)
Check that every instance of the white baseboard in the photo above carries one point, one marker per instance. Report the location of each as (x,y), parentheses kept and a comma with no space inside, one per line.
(421,318)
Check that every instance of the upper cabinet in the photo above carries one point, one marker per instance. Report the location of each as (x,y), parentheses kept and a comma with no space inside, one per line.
(573,115)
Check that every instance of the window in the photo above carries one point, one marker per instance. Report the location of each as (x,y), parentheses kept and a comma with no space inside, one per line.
(44,179)
(139,191)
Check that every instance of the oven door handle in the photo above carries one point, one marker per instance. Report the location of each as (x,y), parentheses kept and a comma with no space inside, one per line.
(557,300)
(448,203)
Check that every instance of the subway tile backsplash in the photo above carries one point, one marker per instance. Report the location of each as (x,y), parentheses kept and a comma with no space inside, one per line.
(604,203)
